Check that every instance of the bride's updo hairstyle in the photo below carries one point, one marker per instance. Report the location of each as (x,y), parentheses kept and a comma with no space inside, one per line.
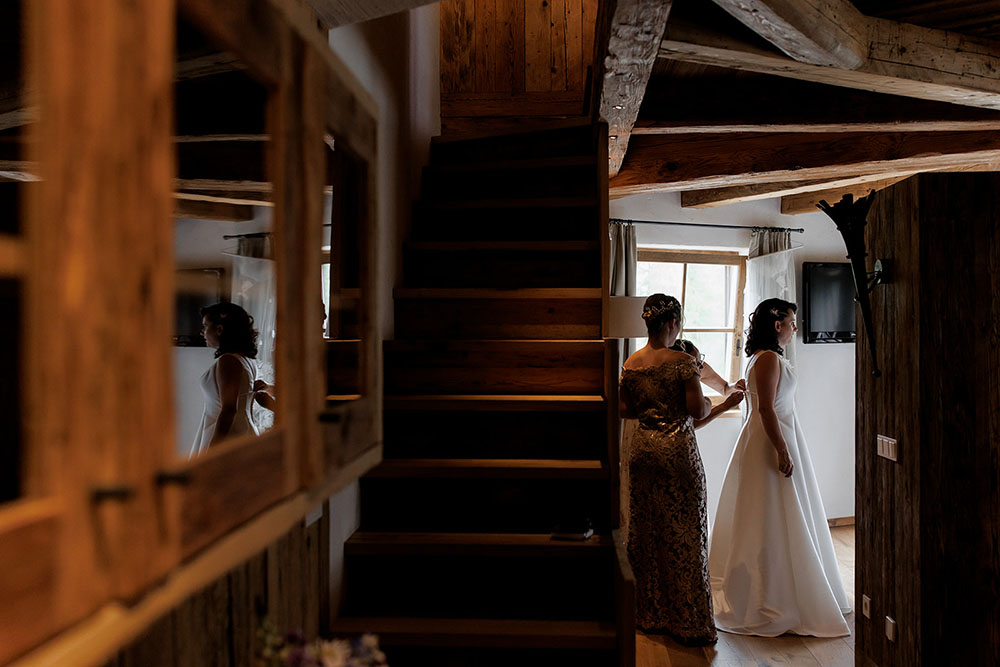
(761,335)
(658,311)
(238,335)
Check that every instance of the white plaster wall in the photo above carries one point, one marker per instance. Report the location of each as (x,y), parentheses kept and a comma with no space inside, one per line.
(825,372)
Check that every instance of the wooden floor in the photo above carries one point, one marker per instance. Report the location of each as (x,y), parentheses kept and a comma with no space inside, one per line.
(742,651)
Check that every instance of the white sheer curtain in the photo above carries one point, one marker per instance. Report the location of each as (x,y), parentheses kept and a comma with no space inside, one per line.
(770,273)
(254,289)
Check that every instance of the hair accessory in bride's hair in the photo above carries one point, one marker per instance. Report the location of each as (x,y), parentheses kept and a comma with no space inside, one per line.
(669,305)
(777,313)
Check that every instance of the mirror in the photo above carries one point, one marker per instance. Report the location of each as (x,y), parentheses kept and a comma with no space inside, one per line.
(225,318)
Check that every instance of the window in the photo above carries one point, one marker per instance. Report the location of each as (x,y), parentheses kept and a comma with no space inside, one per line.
(710,285)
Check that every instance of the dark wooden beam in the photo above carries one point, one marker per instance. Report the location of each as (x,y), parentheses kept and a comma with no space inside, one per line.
(633,41)
(671,163)
(748,103)
(222,161)
(206,210)
(903,60)
(738,194)
(807,202)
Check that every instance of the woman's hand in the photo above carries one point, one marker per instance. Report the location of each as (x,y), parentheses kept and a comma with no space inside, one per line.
(732,400)
(785,465)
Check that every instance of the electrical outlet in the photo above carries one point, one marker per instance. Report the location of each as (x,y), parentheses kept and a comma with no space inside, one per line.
(866,606)
(890,629)
(887,447)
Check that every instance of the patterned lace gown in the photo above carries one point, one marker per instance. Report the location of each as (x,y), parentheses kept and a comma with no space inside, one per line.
(668,517)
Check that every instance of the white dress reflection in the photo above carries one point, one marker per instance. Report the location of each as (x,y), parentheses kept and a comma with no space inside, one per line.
(228,385)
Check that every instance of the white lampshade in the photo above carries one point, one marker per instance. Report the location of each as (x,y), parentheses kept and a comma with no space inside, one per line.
(625,317)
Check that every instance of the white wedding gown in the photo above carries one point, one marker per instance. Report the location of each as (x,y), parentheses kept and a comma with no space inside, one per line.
(243,420)
(772,564)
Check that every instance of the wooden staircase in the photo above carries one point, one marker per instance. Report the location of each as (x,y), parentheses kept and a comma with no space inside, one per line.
(496,423)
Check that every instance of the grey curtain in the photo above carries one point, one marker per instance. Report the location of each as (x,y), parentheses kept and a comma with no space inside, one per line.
(624,255)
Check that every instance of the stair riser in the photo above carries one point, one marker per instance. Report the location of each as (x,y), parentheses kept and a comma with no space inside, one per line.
(492,319)
(576,223)
(542,435)
(559,143)
(481,505)
(577,181)
(426,268)
(571,368)
(580,588)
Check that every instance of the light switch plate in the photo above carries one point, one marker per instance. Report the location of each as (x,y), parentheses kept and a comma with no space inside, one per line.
(890,629)
(887,447)
(866,606)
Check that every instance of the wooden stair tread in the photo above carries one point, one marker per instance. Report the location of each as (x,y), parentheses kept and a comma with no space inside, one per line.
(522,163)
(498,544)
(487,402)
(496,293)
(512,246)
(482,632)
(492,468)
(528,202)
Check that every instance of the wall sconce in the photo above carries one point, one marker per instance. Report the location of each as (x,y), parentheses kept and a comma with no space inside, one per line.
(851,217)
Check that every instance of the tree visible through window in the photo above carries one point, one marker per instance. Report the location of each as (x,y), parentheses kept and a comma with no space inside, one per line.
(710,285)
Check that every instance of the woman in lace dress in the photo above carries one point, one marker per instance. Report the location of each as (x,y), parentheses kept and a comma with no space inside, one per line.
(668,521)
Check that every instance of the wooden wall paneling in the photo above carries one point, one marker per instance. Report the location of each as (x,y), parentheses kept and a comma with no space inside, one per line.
(509,46)
(577,58)
(520,80)
(537,45)
(203,627)
(155,648)
(484,53)
(458,43)
(559,58)
(958,415)
(105,163)
(248,595)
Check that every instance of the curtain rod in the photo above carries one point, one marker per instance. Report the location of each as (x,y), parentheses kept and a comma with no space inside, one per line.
(756,228)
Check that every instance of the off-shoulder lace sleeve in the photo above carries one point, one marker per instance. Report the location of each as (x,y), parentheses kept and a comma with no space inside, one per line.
(687,368)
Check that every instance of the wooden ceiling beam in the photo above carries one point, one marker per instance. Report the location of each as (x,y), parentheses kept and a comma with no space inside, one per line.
(903,60)
(633,42)
(807,201)
(672,163)
(335,13)
(209,210)
(739,194)
(222,196)
(830,33)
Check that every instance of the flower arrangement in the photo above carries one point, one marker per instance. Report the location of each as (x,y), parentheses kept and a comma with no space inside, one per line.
(292,650)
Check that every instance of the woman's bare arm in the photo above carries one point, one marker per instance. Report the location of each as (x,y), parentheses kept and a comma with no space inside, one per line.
(768,370)
(731,402)
(229,374)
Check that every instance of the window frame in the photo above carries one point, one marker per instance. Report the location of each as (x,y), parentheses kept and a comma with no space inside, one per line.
(724,257)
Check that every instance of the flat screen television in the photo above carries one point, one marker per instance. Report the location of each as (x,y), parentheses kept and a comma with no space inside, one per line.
(828,304)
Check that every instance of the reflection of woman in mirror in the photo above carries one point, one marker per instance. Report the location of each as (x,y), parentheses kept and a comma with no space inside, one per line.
(228,384)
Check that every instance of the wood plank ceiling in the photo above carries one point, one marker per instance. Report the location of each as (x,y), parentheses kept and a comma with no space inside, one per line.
(727,81)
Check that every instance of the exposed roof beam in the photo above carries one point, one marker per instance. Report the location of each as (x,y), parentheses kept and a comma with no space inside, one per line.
(223,196)
(334,13)
(831,33)
(203,210)
(671,163)
(806,202)
(903,60)
(739,194)
(633,42)
(678,127)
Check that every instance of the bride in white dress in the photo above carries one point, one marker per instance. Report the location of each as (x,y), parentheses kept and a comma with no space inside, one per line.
(772,563)
(229,384)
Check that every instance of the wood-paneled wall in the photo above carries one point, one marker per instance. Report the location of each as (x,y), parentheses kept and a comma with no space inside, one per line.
(515,57)
(927,524)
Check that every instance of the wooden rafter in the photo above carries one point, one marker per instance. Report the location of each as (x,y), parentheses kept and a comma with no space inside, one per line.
(821,32)
(738,194)
(334,13)
(671,163)
(636,29)
(807,202)
(903,60)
